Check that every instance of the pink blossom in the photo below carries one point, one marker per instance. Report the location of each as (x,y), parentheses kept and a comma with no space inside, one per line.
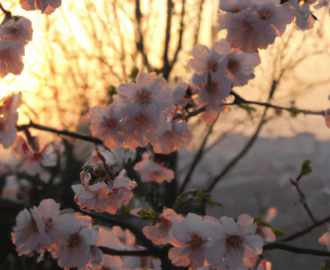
(189,239)
(26,235)
(151,171)
(208,60)
(255,27)
(45,6)
(106,125)
(304,20)
(325,240)
(114,158)
(141,126)
(214,87)
(227,249)
(20,30)
(322,3)
(103,196)
(53,223)
(73,249)
(159,232)
(34,159)
(241,66)
(150,94)
(235,5)
(8,118)
(177,138)
(11,57)
(182,93)
(8,131)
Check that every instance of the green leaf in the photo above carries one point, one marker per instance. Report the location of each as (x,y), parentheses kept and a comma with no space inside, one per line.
(323,268)
(134,73)
(278,232)
(305,168)
(148,214)
(294,111)
(16,18)
(248,108)
(259,221)
(212,203)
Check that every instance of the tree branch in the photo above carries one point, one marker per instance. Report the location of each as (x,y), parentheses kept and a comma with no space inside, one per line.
(59,132)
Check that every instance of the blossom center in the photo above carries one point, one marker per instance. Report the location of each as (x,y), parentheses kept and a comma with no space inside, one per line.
(234,241)
(266,15)
(111,123)
(48,223)
(74,240)
(143,98)
(196,242)
(37,157)
(213,65)
(233,65)
(247,26)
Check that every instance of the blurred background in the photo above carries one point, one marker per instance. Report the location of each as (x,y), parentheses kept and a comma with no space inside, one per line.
(84,50)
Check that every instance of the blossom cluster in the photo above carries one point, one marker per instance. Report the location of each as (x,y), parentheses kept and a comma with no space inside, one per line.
(198,241)
(149,111)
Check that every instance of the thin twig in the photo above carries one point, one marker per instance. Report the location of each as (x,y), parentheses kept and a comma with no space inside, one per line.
(197,158)
(59,132)
(296,249)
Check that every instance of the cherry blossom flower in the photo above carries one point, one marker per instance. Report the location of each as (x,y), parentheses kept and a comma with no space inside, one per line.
(208,60)
(189,239)
(325,239)
(214,88)
(255,27)
(304,20)
(26,235)
(51,222)
(151,171)
(141,126)
(227,249)
(322,3)
(241,66)
(178,137)
(45,6)
(8,118)
(8,131)
(115,158)
(183,92)
(106,125)
(150,94)
(20,30)
(159,232)
(11,57)
(34,159)
(73,248)
(103,197)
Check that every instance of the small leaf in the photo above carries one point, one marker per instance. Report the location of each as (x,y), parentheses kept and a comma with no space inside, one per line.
(212,203)
(278,232)
(305,168)
(248,108)
(134,73)
(294,111)
(259,221)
